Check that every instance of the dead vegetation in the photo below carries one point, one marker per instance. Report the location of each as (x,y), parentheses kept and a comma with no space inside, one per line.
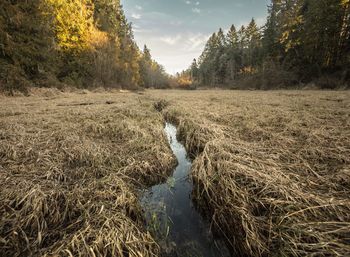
(272,168)
(69,174)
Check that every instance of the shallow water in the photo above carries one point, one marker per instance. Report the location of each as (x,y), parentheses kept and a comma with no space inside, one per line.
(171,216)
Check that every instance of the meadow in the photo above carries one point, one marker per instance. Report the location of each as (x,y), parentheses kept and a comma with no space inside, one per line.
(271,169)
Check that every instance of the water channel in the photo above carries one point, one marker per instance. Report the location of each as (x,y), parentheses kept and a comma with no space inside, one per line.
(171,216)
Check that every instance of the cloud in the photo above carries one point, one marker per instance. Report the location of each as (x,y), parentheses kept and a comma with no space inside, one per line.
(177,52)
(261,21)
(173,50)
(189,46)
(138,7)
(141,30)
(136,16)
(197,41)
(194,3)
(171,40)
(187,42)
(176,23)
(196,10)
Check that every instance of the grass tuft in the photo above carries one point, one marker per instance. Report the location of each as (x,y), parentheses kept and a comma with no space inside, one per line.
(271,169)
(70,174)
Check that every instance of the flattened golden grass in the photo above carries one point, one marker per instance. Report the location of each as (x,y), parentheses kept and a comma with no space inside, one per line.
(69,174)
(272,168)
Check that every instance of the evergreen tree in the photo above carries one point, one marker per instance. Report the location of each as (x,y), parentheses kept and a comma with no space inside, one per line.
(254,43)
(270,39)
(301,40)
(194,70)
(232,37)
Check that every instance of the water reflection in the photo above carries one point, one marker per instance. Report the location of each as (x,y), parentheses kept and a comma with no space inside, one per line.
(171,216)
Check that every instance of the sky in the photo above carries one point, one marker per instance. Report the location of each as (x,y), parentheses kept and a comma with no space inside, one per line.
(177,30)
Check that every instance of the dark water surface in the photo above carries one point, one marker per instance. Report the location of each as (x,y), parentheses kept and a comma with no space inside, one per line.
(171,216)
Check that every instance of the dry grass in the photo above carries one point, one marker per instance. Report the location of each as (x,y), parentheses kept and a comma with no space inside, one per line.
(70,171)
(272,168)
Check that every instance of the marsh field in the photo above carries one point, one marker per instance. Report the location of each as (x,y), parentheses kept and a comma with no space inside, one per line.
(270,170)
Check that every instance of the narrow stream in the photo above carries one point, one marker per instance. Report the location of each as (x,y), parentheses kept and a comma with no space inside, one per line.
(171,216)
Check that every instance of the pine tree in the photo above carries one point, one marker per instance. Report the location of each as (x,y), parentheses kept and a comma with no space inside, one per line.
(301,40)
(194,70)
(207,61)
(270,41)
(232,37)
(147,54)
(254,43)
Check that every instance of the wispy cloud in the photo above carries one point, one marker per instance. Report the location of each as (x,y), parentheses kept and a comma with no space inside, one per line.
(176,23)
(136,16)
(171,40)
(196,42)
(196,10)
(261,21)
(178,55)
(192,3)
(187,41)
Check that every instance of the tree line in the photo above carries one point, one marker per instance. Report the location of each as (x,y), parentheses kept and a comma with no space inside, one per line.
(80,43)
(302,41)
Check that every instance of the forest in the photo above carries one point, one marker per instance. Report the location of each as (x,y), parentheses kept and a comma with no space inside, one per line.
(89,44)
(302,42)
(79,43)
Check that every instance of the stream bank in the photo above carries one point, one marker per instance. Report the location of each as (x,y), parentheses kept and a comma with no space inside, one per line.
(171,215)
